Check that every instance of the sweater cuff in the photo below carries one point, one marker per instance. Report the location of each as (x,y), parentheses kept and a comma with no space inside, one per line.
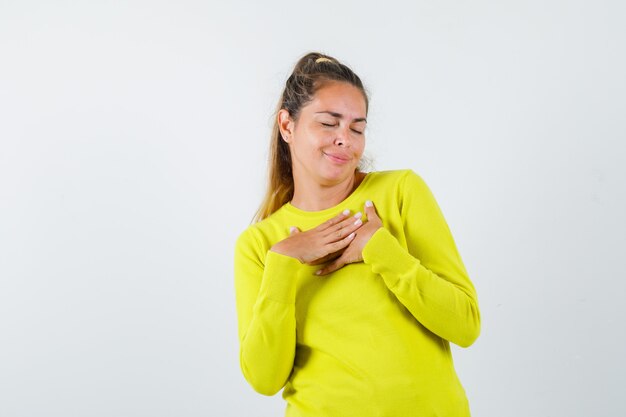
(387,257)
(279,277)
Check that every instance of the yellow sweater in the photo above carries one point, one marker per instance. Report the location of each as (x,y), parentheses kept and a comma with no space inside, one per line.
(372,338)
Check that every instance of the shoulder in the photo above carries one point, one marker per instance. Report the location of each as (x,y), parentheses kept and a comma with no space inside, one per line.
(250,247)
(252,235)
(406,187)
(391,174)
(396,179)
(247,240)
(259,236)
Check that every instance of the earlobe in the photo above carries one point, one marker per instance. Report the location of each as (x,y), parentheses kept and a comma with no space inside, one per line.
(285,124)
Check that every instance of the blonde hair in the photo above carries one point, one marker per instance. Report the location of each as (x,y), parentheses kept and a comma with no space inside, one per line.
(310,73)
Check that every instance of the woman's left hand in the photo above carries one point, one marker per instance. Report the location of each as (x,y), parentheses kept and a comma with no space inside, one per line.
(354,251)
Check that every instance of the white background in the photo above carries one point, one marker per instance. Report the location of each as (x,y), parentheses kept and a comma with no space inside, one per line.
(133,144)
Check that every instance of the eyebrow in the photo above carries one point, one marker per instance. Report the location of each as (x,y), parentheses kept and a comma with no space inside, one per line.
(339,115)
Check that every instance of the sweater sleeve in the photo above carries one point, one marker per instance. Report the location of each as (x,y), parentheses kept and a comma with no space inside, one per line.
(265,290)
(428,276)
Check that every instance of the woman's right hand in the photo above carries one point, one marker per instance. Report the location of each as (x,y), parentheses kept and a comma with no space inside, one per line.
(322,243)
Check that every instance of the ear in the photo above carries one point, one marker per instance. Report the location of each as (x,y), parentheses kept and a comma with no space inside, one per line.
(285,124)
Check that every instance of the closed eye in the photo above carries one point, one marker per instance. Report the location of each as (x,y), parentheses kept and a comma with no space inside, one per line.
(330,125)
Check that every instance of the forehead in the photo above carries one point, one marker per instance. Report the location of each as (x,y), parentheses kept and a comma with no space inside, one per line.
(339,97)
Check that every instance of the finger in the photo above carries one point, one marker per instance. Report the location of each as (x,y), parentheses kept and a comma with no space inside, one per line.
(331,267)
(333,221)
(344,228)
(329,257)
(340,244)
(370,210)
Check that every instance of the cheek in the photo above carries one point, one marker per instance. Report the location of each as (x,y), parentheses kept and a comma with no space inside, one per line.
(360,148)
(318,139)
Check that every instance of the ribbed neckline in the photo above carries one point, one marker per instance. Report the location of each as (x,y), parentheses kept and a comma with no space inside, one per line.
(331,210)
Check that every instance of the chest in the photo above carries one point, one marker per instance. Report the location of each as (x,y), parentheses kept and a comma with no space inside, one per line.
(330,306)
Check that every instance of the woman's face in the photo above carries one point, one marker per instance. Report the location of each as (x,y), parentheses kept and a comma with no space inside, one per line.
(328,139)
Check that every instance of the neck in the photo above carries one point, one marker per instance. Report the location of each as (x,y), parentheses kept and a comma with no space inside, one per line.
(309,195)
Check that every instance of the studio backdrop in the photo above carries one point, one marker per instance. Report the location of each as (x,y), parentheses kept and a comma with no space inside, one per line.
(133,151)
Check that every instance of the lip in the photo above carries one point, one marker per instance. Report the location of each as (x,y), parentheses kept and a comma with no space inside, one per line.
(338,157)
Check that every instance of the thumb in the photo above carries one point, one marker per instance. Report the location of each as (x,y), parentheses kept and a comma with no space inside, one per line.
(293,230)
(370,210)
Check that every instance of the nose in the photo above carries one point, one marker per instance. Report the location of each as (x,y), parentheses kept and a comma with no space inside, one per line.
(343,136)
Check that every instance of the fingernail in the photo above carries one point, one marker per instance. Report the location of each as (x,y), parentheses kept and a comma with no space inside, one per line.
(358,215)
(292,229)
(318,272)
(358,222)
(346,212)
(368,203)
(351,235)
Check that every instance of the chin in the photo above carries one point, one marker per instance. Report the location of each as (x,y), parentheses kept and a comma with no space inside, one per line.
(338,174)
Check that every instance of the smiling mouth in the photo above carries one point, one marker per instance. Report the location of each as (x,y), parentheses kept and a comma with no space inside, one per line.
(337,159)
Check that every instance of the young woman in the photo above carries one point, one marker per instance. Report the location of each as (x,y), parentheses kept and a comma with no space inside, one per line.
(349,287)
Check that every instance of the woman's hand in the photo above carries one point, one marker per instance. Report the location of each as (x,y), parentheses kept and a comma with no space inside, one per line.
(323,243)
(354,251)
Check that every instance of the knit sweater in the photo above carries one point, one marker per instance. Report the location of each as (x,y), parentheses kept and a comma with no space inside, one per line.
(372,338)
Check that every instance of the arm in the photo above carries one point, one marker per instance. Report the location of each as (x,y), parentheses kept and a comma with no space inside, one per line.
(428,277)
(265,295)
(265,286)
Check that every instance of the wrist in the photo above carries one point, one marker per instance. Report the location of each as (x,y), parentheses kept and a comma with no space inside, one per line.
(277,248)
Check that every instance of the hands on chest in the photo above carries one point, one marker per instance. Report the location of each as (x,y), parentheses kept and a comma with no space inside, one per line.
(339,240)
